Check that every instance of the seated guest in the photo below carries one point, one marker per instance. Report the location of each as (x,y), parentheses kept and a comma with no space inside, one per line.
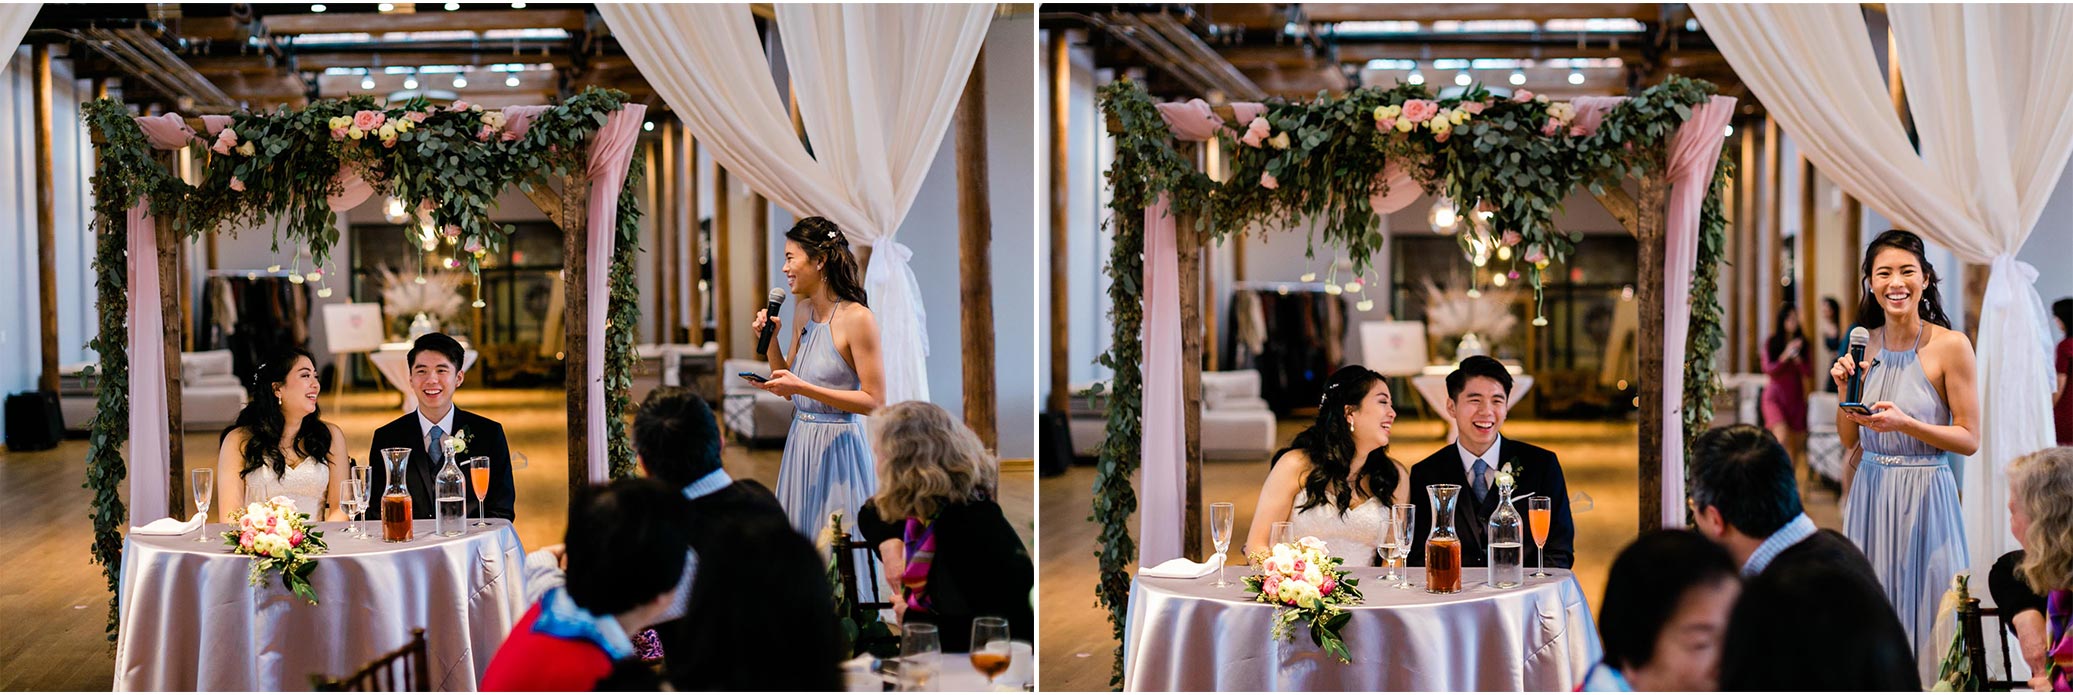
(622,572)
(2023,608)
(1812,615)
(934,519)
(1478,395)
(2039,486)
(759,613)
(1666,607)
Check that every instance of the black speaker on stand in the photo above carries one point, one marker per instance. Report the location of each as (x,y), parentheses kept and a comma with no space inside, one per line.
(34,422)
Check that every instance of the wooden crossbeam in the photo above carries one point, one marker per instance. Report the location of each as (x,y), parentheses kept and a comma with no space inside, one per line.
(318,62)
(379,22)
(1320,12)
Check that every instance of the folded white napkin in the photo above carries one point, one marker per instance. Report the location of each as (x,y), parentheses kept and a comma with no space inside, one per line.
(1183,568)
(169,527)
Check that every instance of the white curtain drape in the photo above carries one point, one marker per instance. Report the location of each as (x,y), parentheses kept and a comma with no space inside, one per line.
(14,24)
(877,86)
(1991,89)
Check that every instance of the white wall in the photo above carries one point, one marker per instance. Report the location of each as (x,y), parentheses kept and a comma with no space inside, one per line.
(21,327)
(2051,243)
(1088,242)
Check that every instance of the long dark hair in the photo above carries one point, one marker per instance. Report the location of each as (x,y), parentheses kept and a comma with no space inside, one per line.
(1328,443)
(264,423)
(1778,336)
(828,247)
(2063,310)
(1869,315)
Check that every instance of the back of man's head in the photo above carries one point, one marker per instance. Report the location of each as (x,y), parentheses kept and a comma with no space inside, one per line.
(676,436)
(622,553)
(1746,474)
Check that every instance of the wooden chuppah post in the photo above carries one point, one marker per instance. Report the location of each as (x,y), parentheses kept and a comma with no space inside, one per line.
(1652,234)
(974,257)
(169,292)
(1189,244)
(575,322)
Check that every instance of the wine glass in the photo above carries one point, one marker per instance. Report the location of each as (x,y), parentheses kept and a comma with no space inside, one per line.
(921,646)
(991,650)
(1538,513)
(202,483)
(1221,515)
(1385,543)
(478,475)
(1284,532)
(1406,529)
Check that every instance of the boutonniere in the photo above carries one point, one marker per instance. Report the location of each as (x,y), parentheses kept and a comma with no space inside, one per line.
(1505,478)
(456,443)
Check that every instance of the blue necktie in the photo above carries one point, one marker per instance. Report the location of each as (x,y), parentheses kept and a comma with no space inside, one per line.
(438,452)
(1481,471)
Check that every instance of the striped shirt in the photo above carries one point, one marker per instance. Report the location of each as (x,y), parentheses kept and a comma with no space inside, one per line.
(1794,531)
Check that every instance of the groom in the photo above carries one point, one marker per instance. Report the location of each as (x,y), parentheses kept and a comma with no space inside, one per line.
(435,372)
(1477,395)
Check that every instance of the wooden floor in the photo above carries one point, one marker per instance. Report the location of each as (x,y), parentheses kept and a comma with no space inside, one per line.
(54,601)
(1076,650)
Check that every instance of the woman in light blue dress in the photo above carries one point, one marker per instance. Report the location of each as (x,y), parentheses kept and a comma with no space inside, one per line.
(834,378)
(1901,507)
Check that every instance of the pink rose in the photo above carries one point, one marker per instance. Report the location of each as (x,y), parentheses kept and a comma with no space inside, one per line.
(1474,107)
(1386,124)
(484,134)
(224,141)
(295,539)
(1256,132)
(1534,254)
(1267,181)
(237,184)
(474,246)
(1522,95)
(1551,128)
(1329,584)
(1442,137)
(1577,131)
(418,116)
(459,105)
(338,133)
(1271,586)
(1420,110)
(510,136)
(1512,239)
(453,233)
(1298,569)
(368,120)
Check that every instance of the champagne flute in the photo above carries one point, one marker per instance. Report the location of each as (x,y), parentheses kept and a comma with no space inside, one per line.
(365,474)
(1539,513)
(1221,516)
(991,651)
(1406,529)
(921,646)
(1385,544)
(202,483)
(1284,532)
(478,475)
(355,503)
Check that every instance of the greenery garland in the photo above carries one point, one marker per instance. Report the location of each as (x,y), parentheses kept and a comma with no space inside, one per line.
(1703,343)
(450,163)
(1513,160)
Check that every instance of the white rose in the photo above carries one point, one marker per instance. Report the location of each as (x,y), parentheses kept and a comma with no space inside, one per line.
(493,119)
(1563,111)
(1404,125)
(1279,141)
(255,509)
(1313,577)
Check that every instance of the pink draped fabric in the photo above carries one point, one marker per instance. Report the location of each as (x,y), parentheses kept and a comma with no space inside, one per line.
(150,438)
(1196,121)
(1693,153)
(1164,487)
(610,152)
(1591,111)
(1394,190)
(519,119)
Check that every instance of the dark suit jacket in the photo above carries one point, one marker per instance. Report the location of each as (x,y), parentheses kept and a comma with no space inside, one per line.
(762,612)
(980,568)
(1534,470)
(1816,619)
(485,438)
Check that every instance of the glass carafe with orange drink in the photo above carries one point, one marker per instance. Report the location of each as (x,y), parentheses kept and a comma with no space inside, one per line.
(1540,513)
(1443,547)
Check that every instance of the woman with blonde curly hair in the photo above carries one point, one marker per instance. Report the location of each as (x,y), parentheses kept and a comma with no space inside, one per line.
(2040,506)
(949,551)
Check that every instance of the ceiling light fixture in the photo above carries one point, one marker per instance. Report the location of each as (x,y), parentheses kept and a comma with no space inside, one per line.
(518,6)
(511,81)
(367,82)
(386,7)
(316,8)
(648,126)
(1576,77)
(1462,78)
(1518,77)
(459,81)
(1416,77)
(410,82)
(451,6)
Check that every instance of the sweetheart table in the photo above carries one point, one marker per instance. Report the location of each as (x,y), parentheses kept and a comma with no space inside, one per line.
(191,620)
(1186,634)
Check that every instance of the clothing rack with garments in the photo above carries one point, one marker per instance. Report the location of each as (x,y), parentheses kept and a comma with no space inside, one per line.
(1292,333)
(254,314)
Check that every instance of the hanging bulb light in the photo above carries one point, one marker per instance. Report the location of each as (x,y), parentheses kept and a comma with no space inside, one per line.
(1443,218)
(1504,253)
(323,293)
(1309,277)
(367,82)
(1497,279)
(1365,305)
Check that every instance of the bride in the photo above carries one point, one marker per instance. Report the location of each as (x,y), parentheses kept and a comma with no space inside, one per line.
(1326,481)
(279,447)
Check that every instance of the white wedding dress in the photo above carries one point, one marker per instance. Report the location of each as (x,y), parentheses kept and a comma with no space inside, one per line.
(1350,536)
(305,483)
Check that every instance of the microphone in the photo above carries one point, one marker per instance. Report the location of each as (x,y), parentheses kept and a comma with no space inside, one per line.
(777,301)
(1853,395)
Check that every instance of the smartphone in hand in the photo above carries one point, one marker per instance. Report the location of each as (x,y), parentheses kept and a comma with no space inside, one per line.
(752,376)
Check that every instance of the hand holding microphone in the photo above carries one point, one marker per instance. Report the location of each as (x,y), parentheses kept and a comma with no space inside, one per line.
(767,321)
(1848,375)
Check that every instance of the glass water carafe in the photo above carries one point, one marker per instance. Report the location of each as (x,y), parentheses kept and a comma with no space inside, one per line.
(1507,536)
(1443,548)
(395,497)
(450,515)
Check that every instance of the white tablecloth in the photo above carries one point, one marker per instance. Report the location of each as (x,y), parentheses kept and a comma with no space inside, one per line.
(191,620)
(391,360)
(1186,634)
(1433,387)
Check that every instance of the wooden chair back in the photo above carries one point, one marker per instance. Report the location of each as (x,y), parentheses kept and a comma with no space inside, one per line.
(1971,618)
(860,612)
(400,671)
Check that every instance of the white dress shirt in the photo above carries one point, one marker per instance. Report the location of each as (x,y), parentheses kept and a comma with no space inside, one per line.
(1468,461)
(424,429)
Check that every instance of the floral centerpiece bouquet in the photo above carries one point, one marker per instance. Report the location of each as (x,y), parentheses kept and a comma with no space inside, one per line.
(1308,586)
(278,538)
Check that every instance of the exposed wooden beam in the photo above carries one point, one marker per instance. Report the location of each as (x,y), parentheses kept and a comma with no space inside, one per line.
(659,184)
(694,244)
(975,258)
(575,323)
(320,61)
(380,23)
(1808,261)
(1653,250)
(550,205)
(46,222)
(1058,396)
(1190,250)
(1363,52)
(169,296)
(1748,224)
(1541,11)
(214,28)
(723,314)
(1246,15)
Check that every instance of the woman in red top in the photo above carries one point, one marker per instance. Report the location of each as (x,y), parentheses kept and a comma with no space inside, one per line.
(623,568)
(1785,395)
(2062,362)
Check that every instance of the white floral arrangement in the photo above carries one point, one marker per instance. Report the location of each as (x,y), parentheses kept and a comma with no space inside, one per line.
(278,538)
(1452,313)
(1306,584)
(438,297)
